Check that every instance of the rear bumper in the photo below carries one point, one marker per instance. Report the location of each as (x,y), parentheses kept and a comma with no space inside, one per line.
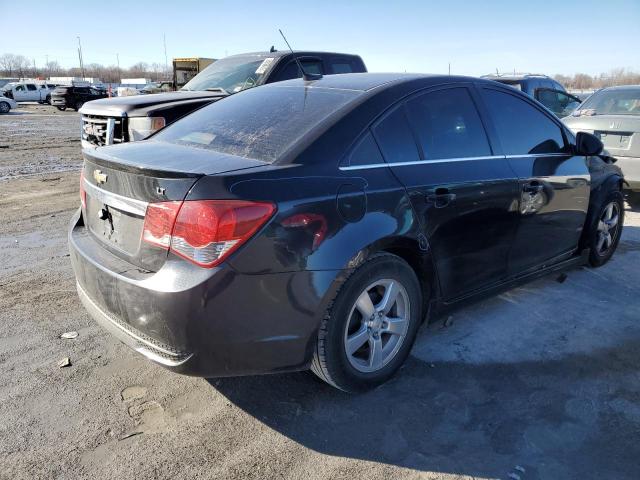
(203,322)
(631,169)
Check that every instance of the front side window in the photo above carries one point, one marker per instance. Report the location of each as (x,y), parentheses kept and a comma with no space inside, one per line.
(31,87)
(395,138)
(20,88)
(448,125)
(522,128)
(292,70)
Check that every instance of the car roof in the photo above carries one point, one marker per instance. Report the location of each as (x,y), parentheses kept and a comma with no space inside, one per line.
(283,53)
(369,81)
(620,87)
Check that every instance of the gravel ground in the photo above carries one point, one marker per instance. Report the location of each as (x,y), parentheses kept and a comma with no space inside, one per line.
(542,382)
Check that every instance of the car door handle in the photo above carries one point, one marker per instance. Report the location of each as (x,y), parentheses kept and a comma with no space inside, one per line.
(533,187)
(441,198)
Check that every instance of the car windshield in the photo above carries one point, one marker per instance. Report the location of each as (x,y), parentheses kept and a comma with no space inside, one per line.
(261,123)
(232,74)
(612,102)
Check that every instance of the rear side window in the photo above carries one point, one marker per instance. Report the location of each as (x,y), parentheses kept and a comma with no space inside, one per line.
(395,138)
(260,123)
(448,125)
(366,152)
(522,128)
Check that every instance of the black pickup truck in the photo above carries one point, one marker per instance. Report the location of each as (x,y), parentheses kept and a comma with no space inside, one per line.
(125,119)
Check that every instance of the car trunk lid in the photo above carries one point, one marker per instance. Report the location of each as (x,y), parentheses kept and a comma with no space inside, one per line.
(121,181)
(620,134)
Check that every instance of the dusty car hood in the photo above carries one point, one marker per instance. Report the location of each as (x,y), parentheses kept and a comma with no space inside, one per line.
(619,133)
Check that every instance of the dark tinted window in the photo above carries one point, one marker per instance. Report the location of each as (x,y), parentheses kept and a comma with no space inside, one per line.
(448,125)
(293,71)
(522,128)
(258,123)
(31,87)
(395,138)
(366,152)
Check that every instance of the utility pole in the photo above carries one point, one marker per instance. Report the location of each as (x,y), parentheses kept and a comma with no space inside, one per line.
(449,68)
(80,57)
(166,59)
(119,74)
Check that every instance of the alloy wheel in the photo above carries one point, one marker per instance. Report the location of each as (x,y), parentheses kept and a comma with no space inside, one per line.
(378,324)
(608,228)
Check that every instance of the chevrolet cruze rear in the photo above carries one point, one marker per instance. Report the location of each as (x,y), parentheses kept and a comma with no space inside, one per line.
(315,224)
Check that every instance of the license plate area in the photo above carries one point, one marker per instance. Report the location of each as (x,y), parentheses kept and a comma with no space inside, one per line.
(118,229)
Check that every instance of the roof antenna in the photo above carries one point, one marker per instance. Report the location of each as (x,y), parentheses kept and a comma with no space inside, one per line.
(307,76)
(273,49)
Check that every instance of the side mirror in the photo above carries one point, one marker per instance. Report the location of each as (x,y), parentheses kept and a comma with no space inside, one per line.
(588,144)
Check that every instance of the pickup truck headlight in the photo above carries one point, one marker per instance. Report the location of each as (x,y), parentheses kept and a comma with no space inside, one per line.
(141,127)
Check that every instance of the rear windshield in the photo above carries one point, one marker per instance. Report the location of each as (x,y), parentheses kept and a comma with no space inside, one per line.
(612,102)
(260,123)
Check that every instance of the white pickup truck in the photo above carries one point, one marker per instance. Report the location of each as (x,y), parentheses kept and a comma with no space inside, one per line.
(28,91)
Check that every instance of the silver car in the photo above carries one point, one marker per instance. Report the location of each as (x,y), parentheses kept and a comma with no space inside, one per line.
(613,115)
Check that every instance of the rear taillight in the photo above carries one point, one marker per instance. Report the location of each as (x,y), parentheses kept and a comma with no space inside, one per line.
(204,232)
(83,192)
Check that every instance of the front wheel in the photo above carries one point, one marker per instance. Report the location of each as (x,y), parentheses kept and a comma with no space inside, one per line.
(606,229)
(368,332)
(4,107)
(62,109)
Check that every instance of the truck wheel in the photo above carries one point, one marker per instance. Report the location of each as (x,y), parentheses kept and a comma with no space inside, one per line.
(368,331)
(4,107)
(78,105)
(606,229)
(48,100)
(62,109)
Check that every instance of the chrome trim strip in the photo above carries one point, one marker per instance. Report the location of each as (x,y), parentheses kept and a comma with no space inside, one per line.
(448,160)
(129,205)
(538,155)
(127,337)
(419,162)
(111,125)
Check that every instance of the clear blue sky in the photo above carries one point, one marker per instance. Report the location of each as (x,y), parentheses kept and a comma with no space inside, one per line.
(562,36)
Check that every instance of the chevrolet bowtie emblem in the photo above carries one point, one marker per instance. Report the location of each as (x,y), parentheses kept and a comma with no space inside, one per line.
(99,177)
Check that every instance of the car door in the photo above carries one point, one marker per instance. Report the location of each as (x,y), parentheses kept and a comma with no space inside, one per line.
(464,194)
(554,184)
(20,93)
(33,95)
(559,102)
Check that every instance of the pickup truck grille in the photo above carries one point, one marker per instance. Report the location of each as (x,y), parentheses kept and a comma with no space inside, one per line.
(99,130)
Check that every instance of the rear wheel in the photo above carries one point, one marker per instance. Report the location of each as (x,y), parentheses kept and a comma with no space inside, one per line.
(78,105)
(368,332)
(4,107)
(62,109)
(48,100)
(606,229)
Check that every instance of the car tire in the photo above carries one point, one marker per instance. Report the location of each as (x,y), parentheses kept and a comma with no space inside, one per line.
(606,229)
(48,99)
(356,351)
(62,109)
(78,106)
(4,107)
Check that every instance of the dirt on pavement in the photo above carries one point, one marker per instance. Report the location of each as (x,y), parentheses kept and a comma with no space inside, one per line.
(541,382)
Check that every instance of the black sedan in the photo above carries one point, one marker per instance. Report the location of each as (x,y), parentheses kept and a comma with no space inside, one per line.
(316,224)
